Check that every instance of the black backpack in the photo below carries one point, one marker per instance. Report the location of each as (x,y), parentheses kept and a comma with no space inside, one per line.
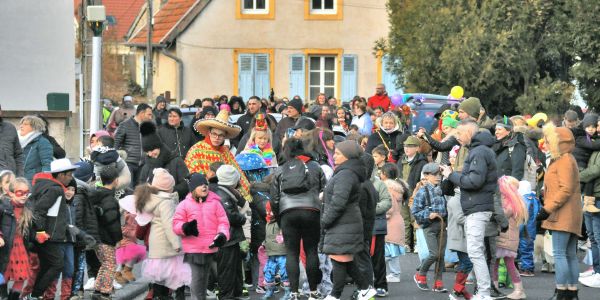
(294,177)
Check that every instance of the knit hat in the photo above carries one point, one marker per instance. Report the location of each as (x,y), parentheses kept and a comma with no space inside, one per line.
(160,99)
(297,104)
(505,123)
(150,139)
(228,175)
(431,168)
(589,120)
(196,180)
(412,141)
(84,172)
(524,188)
(305,124)
(163,180)
(349,148)
(208,110)
(471,106)
(449,122)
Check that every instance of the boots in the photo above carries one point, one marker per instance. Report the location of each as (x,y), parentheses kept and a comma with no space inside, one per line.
(459,286)
(50,291)
(589,204)
(65,288)
(518,293)
(120,278)
(127,274)
(572,295)
(560,295)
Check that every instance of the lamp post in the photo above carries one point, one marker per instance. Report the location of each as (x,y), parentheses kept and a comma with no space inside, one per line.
(96,16)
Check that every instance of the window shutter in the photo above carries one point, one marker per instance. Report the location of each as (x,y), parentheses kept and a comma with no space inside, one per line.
(262,84)
(388,78)
(349,77)
(297,76)
(246,75)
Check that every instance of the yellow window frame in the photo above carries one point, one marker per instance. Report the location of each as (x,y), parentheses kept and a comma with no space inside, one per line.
(238,51)
(338,53)
(339,15)
(242,16)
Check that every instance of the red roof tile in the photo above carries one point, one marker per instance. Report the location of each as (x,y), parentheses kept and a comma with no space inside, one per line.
(164,21)
(124,13)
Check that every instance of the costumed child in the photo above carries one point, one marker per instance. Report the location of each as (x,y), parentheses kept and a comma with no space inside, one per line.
(128,252)
(16,219)
(508,242)
(528,230)
(277,255)
(200,243)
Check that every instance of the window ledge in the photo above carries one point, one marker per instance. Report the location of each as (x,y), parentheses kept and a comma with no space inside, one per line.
(240,15)
(337,16)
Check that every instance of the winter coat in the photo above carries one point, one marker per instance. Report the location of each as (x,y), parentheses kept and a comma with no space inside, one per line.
(443,147)
(37,157)
(11,154)
(416,165)
(584,146)
(281,202)
(591,174)
(511,154)
(177,139)
(173,164)
(394,141)
(125,111)
(274,244)
(562,195)
(384,203)
(341,220)
(245,122)
(162,240)
(369,197)
(509,240)
(260,197)
(477,181)
(8,228)
(364,123)
(85,212)
(109,216)
(51,213)
(457,240)
(232,201)
(283,126)
(129,138)
(211,218)
(428,199)
(160,116)
(395,222)
(498,219)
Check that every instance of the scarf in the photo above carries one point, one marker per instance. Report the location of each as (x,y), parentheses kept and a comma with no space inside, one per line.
(17,208)
(267,153)
(24,140)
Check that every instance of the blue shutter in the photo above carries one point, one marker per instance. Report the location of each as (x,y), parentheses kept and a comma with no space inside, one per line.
(246,75)
(388,78)
(349,77)
(297,76)
(262,84)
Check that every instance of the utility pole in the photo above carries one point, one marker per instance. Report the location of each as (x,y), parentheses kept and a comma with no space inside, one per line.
(149,73)
(96,16)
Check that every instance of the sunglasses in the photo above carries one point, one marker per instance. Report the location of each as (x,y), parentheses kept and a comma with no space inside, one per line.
(21,193)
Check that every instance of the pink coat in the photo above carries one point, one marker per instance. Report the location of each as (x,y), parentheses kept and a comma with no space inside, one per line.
(395,222)
(211,218)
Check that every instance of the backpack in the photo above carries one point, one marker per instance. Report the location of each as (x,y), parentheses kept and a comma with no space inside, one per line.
(294,177)
(530,170)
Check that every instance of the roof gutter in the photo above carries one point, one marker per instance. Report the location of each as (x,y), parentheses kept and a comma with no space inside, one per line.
(180,70)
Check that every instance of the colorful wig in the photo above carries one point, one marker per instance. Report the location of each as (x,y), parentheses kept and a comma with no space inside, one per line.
(512,202)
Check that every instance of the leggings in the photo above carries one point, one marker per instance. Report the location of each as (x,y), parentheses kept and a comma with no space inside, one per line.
(340,271)
(302,225)
(510,268)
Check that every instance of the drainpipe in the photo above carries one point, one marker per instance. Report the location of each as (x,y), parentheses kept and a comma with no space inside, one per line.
(180,69)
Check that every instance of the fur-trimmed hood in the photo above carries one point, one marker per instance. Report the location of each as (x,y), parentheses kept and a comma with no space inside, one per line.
(559,140)
(531,133)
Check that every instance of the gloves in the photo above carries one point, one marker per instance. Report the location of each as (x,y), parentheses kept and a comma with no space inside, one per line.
(219,241)
(73,230)
(90,241)
(41,237)
(542,215)
(190,228)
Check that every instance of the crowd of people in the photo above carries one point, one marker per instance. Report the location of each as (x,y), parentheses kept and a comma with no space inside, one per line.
(328,195)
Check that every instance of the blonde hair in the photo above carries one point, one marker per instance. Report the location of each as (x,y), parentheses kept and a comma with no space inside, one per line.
(36,123)
(26,219)
(254,132)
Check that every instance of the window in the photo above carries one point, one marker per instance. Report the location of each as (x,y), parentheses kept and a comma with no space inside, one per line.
(253,72)
(323,9)
(322,76)
(322,6)
(255,9)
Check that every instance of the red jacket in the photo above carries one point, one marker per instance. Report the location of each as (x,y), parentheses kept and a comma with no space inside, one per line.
(377,100)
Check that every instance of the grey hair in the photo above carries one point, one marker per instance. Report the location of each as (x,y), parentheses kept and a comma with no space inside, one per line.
(36,123)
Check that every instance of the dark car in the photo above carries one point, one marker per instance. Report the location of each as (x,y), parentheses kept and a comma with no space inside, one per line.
(424,107)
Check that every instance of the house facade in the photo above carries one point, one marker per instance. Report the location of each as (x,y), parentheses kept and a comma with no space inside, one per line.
(248,47)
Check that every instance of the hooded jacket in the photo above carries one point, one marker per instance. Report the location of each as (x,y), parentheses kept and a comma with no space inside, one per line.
(341,220)
(211,218)
(85,213)
(562,195)
(232,201)
(11,154)
(172,163)
(178,140)
(51,213)
(162,240)
(584,146)
(511,154)
(477,181)
(109,216)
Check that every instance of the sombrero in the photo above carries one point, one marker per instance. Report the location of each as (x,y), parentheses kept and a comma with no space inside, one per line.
(219,122)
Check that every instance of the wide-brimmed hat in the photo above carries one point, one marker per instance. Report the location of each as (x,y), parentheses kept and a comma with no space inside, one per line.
(62,165)
(219,122)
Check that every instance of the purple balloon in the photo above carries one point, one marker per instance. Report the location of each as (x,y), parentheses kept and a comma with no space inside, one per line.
(397,99)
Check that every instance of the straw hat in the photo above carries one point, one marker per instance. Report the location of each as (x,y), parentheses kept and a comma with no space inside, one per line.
(221,121)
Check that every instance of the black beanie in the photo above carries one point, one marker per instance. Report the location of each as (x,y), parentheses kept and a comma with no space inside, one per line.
(150,139)
(297,104)
(369,162)
(589,120)
(196,180)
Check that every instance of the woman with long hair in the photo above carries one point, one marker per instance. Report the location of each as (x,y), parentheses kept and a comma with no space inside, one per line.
(321,146)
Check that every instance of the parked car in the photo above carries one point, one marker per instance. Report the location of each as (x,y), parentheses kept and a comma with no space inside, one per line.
(188,114)
(424,107)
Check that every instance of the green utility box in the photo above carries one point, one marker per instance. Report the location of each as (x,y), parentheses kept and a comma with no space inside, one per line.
(57,101)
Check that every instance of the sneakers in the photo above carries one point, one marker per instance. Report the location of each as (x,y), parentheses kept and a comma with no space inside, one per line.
(211,294)
(421,282)
(481,297)
(496,294)
(592,281)
(315,296)
(378,293)
(90,284)
(587,273)
(392,278)
(526,273)
(368,293)
(438,287)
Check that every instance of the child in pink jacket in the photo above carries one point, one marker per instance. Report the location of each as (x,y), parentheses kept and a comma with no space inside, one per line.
(201,221)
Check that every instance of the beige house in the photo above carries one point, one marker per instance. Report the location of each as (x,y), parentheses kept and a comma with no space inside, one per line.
(248,47)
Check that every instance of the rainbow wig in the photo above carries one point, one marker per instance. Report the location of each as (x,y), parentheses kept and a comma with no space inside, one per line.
(512,202)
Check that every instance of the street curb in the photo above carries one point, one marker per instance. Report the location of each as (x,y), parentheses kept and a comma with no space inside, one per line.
(131,291)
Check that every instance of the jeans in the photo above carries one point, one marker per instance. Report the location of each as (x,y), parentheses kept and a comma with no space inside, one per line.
(564,246)
(464,263)
(475,224)
(436,243)
(592,224)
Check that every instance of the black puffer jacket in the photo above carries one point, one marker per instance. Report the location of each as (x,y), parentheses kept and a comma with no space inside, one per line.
(443,147)
(584,147)
(232,201)
(85,213)
(8,227)
(46,193)
(341,219)
(245,122)
(260,198)
(394,140)
(109,216)
(177,139)
(128,138)
(281,202)
(11,154)
(511,153)
(477,181)
(173,164)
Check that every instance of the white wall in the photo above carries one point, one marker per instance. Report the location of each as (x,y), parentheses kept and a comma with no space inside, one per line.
(37,53)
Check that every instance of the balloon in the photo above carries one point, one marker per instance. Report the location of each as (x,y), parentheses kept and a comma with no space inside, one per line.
(457,92)
(397,99)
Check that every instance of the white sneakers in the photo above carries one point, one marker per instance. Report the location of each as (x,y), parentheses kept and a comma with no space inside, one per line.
(366,294)
(587,273)
(90,284)
(592,281)
(481,297)
(392,278)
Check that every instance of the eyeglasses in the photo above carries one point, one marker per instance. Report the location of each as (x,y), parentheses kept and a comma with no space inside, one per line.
(21,193)
(217,136)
